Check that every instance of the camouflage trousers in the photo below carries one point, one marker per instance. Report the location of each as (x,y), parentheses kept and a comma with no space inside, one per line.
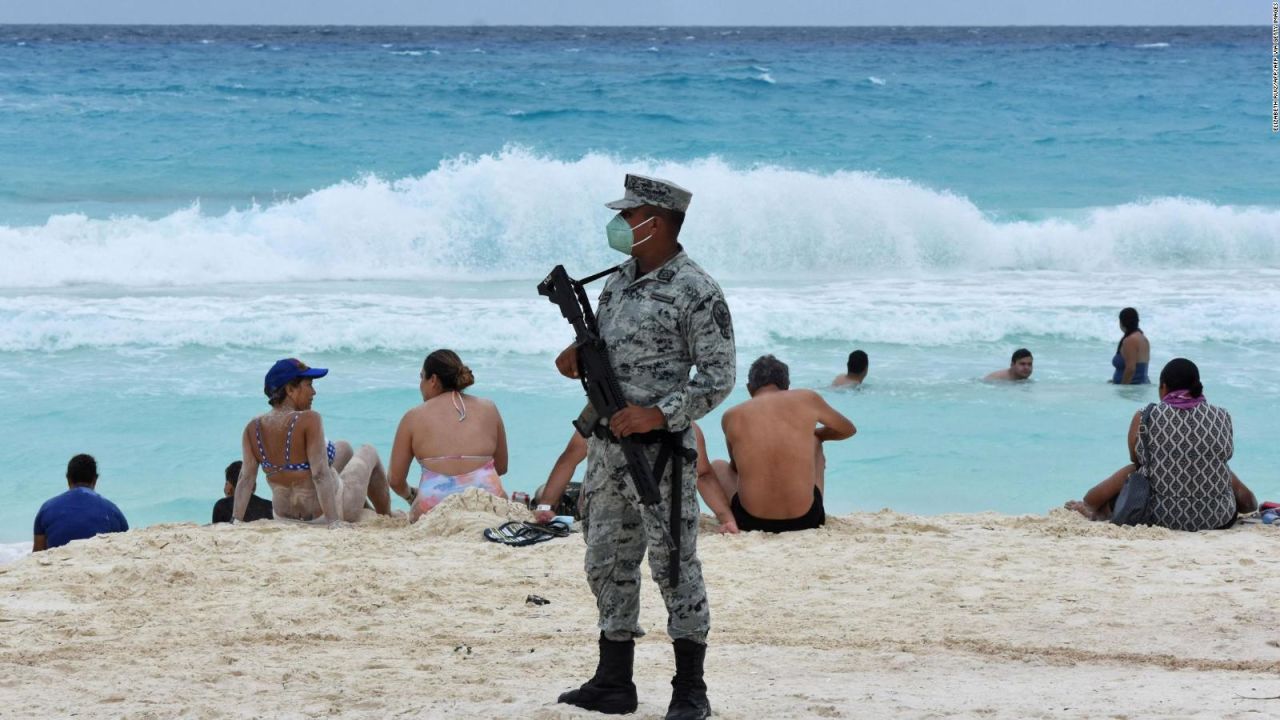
(618,529)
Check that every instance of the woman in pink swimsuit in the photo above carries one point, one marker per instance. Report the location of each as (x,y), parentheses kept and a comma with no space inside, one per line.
(457,439)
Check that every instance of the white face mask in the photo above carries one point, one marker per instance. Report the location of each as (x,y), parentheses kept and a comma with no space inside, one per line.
(620,234)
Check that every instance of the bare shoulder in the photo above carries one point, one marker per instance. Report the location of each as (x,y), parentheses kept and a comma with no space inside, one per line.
(481,403)
(807,396)
(483,407)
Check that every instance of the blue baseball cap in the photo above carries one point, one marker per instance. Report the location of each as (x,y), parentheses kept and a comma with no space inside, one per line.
(288,370)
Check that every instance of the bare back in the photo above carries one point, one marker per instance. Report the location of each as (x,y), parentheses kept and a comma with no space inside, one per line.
(436,433)
(1137,347)
(266,440)
(774,451)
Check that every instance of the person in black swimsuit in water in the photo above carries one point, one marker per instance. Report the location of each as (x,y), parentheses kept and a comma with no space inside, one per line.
(1133,353)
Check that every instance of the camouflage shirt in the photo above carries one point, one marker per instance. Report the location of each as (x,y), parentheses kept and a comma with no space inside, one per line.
(661,325)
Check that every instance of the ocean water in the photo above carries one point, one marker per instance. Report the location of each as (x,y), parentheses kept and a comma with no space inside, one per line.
(183,206)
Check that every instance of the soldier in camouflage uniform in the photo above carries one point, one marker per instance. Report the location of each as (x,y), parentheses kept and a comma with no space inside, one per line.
(660,316)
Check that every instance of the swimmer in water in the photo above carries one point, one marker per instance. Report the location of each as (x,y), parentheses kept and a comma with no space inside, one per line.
(856,369)
(1020,366)
(1133,354)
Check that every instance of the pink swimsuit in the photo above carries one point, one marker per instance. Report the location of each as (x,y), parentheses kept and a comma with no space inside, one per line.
(434,487)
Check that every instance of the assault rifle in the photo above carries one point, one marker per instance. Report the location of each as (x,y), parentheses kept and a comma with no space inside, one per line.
(604,394)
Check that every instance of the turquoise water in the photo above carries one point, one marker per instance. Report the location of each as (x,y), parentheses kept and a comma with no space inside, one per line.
(186,205)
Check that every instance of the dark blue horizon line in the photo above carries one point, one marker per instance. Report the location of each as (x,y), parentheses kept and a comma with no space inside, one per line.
(482,26)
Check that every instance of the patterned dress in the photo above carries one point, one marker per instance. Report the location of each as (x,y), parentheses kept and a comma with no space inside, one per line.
(1190,481)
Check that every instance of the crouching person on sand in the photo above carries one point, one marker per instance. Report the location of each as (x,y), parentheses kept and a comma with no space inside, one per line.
(312,480)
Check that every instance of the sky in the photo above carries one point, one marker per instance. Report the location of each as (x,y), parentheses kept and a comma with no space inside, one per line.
(644,12)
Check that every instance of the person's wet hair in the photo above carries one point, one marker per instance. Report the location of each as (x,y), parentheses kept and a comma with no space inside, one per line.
(768,370)
(446,365)
(82,470)
(857,363)
(1182,374)
(1129,320)
(233,472)
(1019,354)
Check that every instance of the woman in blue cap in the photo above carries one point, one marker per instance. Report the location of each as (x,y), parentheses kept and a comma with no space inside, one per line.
(312,480)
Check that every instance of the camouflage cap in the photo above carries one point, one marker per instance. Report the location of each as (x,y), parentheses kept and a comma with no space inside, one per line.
(643,190)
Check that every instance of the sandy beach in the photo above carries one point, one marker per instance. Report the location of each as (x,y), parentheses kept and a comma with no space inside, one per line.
(878,615)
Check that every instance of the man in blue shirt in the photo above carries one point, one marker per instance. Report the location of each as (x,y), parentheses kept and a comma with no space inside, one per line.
(78,513)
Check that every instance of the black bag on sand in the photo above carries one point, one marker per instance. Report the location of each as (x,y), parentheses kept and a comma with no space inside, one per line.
(568,504)
(1131,506)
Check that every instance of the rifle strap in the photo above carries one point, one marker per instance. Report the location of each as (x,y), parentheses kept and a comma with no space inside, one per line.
(592,278)
(672,450)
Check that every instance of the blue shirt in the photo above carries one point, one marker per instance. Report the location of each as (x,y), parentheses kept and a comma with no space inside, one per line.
(77,514)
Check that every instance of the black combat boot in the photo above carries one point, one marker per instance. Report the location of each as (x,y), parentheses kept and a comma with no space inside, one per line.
(688,691)
(610,691)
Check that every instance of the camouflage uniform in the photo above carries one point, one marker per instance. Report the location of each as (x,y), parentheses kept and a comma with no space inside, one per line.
(656,328)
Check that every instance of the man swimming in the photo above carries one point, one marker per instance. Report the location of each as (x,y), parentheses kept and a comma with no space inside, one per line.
(776,469)
(856,371)
(1020,366)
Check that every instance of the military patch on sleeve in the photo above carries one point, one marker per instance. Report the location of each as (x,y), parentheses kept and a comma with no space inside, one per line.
(720,311)
(666,274)
(604,296)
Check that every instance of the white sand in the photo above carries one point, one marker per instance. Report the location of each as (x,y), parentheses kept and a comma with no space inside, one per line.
(876,616)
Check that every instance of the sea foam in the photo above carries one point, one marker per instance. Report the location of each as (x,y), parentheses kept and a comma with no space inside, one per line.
(500,318)
(512,214)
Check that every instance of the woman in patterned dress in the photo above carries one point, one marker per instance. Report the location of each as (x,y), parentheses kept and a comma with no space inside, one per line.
(1189,443)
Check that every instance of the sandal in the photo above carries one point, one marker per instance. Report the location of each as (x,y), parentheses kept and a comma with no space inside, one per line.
(519,534)
(557,528)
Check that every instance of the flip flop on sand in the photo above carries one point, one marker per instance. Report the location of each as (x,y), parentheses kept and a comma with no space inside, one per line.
(519,534)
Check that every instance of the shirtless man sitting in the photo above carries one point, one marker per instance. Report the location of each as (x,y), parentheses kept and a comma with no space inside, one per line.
(312,480)
(775,473)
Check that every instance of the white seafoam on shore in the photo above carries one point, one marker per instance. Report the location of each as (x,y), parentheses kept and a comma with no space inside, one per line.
(12,551)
